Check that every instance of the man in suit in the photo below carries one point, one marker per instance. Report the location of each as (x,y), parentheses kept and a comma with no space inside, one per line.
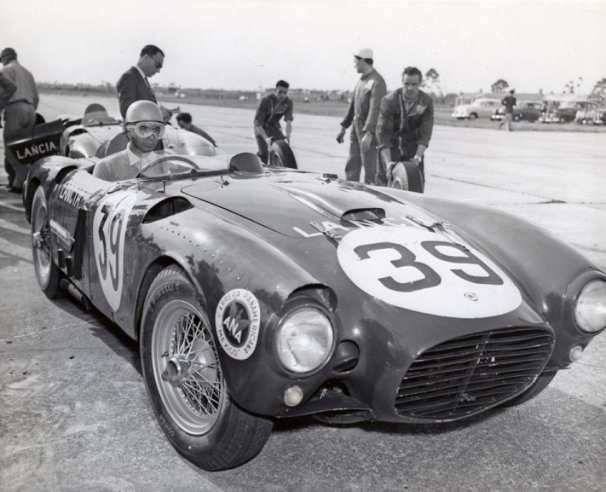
(133,85)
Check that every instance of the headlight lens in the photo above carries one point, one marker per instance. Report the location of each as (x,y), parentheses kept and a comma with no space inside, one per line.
(304,340)
(590,309)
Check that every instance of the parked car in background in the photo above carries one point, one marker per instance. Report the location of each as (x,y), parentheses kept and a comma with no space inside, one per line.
(566,111)
(482,107)
(591,115)
(523,111)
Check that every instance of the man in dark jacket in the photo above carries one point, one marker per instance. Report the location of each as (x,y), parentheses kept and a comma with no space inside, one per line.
(509,102)
(133,85)
(267,119)
(405,125)
(362,117)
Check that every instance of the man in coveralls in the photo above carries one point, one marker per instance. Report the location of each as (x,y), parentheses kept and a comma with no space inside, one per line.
(363,114)
(267,119)
(20,111)
(405,125)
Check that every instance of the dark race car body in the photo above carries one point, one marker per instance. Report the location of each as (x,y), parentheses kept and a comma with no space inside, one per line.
(259,293)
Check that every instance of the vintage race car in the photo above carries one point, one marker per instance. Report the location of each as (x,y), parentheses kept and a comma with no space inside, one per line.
(96,134)
(261,293)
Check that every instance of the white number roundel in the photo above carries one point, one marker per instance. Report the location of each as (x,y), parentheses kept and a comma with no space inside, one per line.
(109,231)
(426,272)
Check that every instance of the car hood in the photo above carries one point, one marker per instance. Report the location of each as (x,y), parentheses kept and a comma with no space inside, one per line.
(294,203)
(383,245)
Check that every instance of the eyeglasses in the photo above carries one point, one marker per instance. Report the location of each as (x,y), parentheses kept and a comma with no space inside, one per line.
(158,64)
(146,129)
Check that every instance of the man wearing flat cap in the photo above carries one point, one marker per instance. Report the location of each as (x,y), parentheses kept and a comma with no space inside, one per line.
(20,110)
(362,117)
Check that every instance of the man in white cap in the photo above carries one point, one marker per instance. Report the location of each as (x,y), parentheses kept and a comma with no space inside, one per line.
(362,116)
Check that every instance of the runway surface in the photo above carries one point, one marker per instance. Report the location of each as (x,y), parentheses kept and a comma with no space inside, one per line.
(74,413)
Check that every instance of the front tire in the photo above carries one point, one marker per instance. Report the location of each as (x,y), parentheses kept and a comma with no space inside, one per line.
(185,382)
(47,273)
(473,116)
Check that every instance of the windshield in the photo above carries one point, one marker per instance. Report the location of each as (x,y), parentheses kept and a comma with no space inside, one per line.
(170,165)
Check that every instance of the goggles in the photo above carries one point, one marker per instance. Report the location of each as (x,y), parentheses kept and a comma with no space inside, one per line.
(145,129)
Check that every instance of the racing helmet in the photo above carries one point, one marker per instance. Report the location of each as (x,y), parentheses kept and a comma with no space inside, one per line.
(143,111)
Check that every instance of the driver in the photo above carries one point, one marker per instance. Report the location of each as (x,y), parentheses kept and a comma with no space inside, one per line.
(144,126)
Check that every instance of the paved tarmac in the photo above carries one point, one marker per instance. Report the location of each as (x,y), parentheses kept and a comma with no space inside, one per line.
(74,413)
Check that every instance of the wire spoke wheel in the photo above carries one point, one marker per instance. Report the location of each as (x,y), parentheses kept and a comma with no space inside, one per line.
(186,368)
(47,272)
(185,380)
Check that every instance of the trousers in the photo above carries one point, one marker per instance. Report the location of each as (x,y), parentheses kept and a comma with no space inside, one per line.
(17,116)
(359,160)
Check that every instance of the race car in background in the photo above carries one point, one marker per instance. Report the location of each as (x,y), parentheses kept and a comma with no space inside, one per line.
(96,134)
(260,293)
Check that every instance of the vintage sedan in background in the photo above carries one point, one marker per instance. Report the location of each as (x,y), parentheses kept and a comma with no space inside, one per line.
(523,111)
(591,115)
(566,111)
(482,107)
(262,293)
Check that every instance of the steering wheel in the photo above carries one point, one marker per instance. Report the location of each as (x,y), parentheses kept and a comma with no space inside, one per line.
(165,159)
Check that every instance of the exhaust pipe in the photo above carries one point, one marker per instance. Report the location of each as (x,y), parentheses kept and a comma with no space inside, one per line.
(76,293)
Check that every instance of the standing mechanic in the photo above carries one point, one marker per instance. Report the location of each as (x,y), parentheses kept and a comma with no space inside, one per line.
(20,111)
(144,124)
(509,102)
(267,119)
(134,84)
(405,125)
(363,113)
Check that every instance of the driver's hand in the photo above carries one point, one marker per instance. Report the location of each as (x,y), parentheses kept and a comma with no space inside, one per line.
(340,135)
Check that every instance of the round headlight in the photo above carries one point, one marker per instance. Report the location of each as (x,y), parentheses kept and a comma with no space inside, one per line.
(590,309)
(304,340)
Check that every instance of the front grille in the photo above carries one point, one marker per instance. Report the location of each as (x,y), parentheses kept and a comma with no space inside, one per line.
(466,375)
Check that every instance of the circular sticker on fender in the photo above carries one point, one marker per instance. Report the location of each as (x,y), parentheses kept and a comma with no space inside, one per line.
(109,232)
(426,272)
(237,320)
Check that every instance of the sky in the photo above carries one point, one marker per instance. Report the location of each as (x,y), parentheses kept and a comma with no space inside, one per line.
(250,44)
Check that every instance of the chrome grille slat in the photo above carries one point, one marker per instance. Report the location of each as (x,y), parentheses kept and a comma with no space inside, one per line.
(466,375)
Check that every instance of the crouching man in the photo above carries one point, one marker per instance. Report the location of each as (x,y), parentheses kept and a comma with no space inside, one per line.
(405,125)
(144,127)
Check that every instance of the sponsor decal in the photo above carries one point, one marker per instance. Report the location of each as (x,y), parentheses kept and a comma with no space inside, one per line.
(109,231)
(40,149)
(425,272)
(237,320)
(72,194)
(361,224)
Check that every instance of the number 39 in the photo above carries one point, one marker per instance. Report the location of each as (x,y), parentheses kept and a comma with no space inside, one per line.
(430,276)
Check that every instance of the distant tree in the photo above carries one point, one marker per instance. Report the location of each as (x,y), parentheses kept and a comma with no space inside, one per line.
(600,87)
(571,86)
(499,86)
(432,82)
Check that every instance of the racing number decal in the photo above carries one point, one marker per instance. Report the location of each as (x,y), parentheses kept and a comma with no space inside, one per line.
(109,231)
(407,258)
(409,268)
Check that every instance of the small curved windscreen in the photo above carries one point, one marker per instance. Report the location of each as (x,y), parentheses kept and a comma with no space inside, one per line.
(170,165)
